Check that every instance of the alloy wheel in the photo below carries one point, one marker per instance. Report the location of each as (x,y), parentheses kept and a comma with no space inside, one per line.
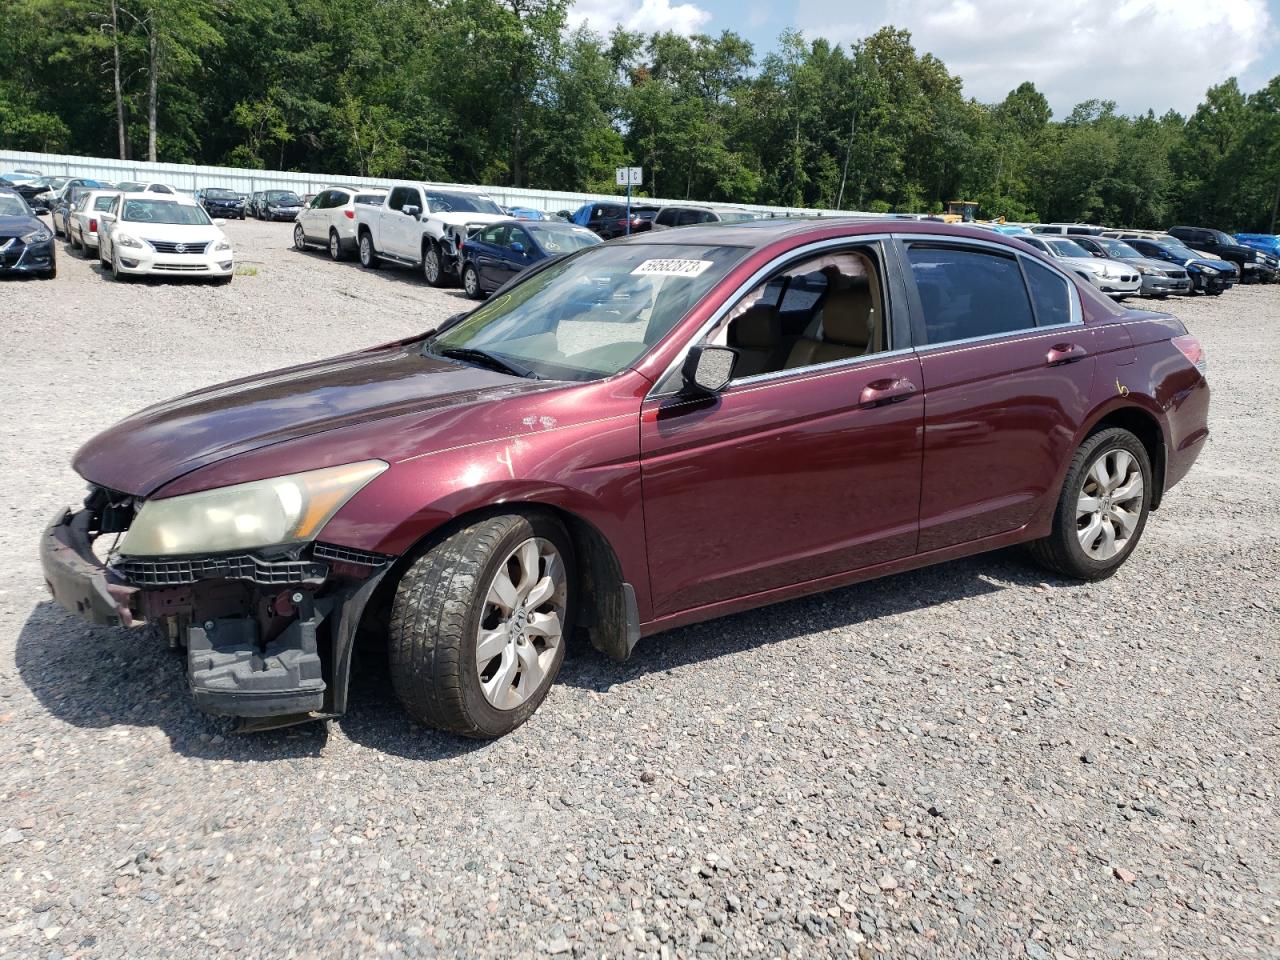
(1109,505)
(299,237)
(431,266)
(366,250)
(335,249)
(470,282)
(522,623)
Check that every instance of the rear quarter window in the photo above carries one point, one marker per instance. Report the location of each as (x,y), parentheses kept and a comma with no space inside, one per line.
(1050,292)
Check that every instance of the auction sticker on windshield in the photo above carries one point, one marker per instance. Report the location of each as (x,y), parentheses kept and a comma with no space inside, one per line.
(671,268)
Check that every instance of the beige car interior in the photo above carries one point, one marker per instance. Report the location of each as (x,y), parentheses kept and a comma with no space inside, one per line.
(823,309)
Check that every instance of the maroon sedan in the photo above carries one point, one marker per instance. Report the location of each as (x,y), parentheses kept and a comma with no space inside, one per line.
(640,435)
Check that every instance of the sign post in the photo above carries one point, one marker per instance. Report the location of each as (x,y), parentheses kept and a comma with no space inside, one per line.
(629,177)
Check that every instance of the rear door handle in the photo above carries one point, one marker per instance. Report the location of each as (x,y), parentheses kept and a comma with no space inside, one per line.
(879,392)
(1061,353)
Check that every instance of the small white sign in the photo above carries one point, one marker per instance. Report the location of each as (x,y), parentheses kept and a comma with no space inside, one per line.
(671,268)
(629,176)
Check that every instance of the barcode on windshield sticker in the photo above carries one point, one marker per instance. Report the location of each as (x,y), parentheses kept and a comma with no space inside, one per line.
(671,268)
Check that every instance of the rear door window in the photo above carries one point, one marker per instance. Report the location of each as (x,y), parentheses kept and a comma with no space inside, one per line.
(966,293)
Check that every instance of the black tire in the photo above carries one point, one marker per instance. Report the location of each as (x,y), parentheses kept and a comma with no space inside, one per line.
(51,273)
(74,243)
(471,282)
(242,216)
(432,265)
(368,252)
(1061,551)
(336,253)
(435,618)
(299,238)
(116,275)
(222,281)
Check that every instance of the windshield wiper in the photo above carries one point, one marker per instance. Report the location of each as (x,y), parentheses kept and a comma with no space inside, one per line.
(487,359)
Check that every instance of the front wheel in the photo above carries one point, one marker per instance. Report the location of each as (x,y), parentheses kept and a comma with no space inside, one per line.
(1102,510)
(431,270)
(471,282)
(479,622)
(368,255)
(299,237)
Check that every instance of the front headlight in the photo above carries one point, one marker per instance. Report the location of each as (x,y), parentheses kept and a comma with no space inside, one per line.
(281,510)
(37,236)
(124,240)
(1209,270)
(223,244)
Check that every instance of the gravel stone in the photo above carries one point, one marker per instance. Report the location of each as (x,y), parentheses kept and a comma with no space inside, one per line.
(798,751)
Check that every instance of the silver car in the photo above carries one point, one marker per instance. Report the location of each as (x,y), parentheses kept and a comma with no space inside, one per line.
(1116,279)
(1159,277)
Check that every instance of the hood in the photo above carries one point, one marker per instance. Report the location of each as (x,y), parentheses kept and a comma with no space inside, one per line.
(461,218)
(18,226)
(1090,264)
(161,443)
(1152,263)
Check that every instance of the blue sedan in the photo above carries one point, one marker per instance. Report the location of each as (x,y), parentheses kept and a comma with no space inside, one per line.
(493,256)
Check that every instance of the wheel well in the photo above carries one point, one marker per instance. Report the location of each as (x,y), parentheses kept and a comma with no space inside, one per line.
(604,612)
(1145,427)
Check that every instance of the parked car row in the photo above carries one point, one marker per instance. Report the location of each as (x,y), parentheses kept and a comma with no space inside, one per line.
(1213,259)
(148,230)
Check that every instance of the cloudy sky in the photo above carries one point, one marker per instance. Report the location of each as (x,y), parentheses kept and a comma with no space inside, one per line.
(1141,53)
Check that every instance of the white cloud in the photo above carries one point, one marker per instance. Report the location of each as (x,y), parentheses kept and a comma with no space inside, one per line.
(1139,53)
(650,16)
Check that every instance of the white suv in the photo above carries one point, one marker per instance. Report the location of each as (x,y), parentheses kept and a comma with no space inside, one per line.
(330,219)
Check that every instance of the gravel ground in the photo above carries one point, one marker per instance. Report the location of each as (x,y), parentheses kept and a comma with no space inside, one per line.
(971,760)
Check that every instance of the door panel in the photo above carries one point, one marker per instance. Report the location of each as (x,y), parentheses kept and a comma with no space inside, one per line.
(779,482)
(999,422)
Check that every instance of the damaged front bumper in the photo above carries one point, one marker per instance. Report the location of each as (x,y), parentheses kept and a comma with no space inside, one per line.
(268,634)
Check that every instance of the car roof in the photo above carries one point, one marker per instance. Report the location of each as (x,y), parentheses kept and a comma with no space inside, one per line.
(759,233)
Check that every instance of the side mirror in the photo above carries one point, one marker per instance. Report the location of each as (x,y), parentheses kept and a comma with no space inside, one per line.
(411,210)
(708,369)
(219,222)
(517,247)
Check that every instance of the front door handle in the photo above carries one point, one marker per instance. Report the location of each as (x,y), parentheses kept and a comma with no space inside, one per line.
(879,392)
(1061,353)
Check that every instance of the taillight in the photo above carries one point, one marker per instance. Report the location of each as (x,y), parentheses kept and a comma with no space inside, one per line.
(1192,349)
(350,214)
(93,226)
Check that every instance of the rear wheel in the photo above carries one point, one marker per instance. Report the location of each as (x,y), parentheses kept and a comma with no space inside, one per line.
(479,622)
(71,239)
(1102,510)
(335,246)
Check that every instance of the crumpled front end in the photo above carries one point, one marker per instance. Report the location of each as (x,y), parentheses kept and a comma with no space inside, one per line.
(268,632)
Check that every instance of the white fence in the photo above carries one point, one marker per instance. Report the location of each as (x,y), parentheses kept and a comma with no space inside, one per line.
(189,177)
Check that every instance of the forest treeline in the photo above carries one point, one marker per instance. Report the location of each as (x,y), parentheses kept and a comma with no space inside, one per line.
(503,92)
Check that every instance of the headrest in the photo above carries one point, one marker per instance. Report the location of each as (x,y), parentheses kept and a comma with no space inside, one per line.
(847,314)
(759,328)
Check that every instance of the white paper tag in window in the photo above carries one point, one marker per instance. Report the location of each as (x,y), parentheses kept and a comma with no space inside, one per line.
(671,268)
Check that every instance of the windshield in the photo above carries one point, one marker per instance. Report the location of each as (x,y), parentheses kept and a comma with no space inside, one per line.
(461,203)
(164,211)
(217,194)
(1177,248)
(282,196)
(594,313)
(564,239)
(11,206)
(1117,248)
(1068,248)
